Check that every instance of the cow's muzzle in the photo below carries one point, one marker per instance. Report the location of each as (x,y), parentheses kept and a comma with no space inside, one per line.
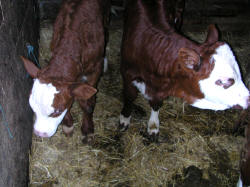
(41,134)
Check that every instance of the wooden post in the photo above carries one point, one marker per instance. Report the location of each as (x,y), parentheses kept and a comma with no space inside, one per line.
(19,26)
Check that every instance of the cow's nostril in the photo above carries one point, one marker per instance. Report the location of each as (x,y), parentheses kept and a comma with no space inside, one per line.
(36,132)
(41,134)
(45,135)
(237,107)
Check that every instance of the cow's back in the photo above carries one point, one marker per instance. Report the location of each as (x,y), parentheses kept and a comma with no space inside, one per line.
(78,40)
(79,30)
(146,36)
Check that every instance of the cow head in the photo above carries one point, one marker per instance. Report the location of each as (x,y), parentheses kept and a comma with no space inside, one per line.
(51,99)
(217,73)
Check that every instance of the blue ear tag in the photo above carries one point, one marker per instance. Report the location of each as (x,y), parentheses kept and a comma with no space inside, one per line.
(30,49)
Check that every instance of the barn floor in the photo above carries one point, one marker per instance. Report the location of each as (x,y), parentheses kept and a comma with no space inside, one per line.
(196,147)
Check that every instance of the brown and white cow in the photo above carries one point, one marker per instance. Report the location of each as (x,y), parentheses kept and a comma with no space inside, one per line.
(78,47)
(159,62)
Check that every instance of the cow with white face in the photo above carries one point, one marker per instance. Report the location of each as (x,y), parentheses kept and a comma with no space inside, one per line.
(74,70)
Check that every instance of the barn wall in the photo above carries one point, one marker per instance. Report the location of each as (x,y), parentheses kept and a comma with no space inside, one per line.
(18,27)
(202,9)
(49,9)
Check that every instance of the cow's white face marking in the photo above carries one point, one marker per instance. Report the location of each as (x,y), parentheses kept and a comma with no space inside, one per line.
(142,88)
(41,100)
(216,96)
(153,123)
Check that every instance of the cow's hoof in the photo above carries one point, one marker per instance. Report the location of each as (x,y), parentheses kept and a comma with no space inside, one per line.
(154,137)
(88,139)
(148,139)
(122,127)
(69,134)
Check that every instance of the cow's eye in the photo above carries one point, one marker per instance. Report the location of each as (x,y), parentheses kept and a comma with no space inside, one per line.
(219,82)
(56,113)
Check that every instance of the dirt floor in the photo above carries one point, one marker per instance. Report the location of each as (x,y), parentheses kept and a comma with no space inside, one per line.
(196,147)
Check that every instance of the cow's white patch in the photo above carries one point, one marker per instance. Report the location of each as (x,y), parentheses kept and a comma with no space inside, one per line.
(67,130)
(84,78)
(153,123)
(125,120)
(41,100)
(142,88)
(217,97)
(105,65)
(239,184)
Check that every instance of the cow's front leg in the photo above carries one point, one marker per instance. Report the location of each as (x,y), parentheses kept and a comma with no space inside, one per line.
(87,127)
(154,123)
(67,125)
(129,95)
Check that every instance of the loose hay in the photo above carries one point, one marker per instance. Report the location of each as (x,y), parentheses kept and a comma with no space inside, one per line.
(46,32)
(188,136)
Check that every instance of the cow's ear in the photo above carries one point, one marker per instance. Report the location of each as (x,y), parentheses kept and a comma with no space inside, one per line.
(189,59)
(82,91)
(30,67)
(212,35)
